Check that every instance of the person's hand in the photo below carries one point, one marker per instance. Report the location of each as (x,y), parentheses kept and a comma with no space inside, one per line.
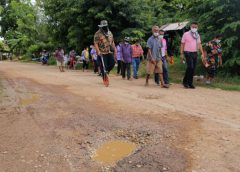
(152,61)
(182,57)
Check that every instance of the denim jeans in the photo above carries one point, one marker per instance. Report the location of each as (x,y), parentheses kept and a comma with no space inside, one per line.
(165,71)
(136,63)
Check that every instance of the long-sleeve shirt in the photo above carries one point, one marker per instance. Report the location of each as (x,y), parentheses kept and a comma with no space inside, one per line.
(119,52)
(126,53)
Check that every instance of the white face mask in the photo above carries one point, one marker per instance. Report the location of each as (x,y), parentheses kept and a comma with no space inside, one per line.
(218,41)
(156,34)
(161,36)
(194,30)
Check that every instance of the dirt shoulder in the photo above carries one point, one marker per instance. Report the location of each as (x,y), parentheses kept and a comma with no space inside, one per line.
(55,121)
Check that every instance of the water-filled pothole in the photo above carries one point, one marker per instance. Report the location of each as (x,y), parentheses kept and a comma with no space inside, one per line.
(111,152)
(28,101)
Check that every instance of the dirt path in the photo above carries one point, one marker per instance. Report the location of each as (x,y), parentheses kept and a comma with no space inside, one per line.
(51,121)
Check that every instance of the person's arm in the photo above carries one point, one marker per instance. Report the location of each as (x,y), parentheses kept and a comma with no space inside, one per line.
(150,57)
(115,52)
(121,50)
(131,52)
(97,49)
(142,52)
(201,50)
(182,51)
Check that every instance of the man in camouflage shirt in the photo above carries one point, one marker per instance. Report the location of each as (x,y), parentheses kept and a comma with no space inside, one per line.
(105,47)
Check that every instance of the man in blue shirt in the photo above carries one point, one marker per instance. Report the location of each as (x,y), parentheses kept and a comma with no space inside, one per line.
(154,63)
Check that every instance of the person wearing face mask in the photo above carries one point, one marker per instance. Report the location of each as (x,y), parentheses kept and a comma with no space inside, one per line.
(137,55)
(164,60)
(154,62)
(214,58)
(190,44)
(106,50)
(126,52)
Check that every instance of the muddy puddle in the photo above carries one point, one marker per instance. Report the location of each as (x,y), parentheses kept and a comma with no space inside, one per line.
(30,100)
(111,152)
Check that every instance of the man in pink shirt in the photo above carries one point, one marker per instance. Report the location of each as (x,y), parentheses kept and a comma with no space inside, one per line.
(190,44)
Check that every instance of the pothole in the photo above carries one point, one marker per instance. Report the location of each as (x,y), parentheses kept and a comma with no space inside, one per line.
(113,151)
(28,101)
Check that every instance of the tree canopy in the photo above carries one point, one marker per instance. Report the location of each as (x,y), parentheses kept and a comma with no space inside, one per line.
(47,24)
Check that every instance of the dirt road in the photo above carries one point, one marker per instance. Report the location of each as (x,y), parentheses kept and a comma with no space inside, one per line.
(56,122)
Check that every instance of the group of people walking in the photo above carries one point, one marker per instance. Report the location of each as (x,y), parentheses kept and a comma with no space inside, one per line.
(105,54)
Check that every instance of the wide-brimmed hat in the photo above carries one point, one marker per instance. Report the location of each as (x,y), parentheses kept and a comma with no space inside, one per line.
(127,39)
(103,23)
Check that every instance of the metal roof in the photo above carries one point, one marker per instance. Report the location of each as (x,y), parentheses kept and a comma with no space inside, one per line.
(174,26)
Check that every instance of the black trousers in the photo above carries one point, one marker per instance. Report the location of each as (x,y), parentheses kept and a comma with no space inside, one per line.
(95,63)
(119,66)
(109,63)
(85,64)
(191,62)
(126,67)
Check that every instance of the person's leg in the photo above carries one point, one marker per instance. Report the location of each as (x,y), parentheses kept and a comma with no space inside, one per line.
(128,71)
(159,70)
(94,66)
(147,79)
(156,78)
(165,72)
(185,82)
(111,63)
(137,66)
(119,66)
(101,65)
(150,69)
(105,61)
(83,66)
(193,64)
(188,70)
(87,65)
(134,62)
(124,65)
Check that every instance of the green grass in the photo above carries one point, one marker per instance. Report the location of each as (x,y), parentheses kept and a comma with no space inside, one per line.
(221,81)
(177,71)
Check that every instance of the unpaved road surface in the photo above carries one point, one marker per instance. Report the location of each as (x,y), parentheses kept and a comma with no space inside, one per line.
(54,122)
